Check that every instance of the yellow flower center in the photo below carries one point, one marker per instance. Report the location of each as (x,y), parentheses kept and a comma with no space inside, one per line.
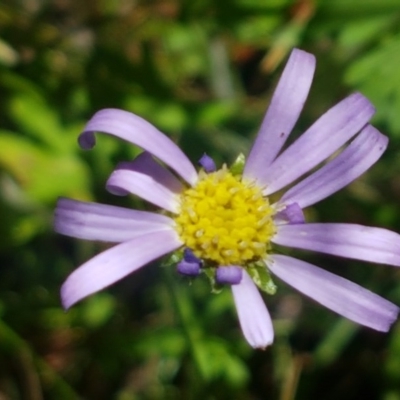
(225,220)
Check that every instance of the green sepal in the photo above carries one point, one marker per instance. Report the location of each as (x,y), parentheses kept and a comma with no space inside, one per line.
(261,277)
(238,166)
(210,273)
(173,259)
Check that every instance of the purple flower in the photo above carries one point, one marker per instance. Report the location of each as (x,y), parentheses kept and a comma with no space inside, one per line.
(216,219)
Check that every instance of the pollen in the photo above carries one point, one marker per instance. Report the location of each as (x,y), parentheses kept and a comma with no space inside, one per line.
(225,220)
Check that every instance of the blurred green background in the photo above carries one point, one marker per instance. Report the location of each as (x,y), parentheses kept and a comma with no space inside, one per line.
(202,71)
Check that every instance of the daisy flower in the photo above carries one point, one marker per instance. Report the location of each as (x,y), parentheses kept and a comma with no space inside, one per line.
(221,222)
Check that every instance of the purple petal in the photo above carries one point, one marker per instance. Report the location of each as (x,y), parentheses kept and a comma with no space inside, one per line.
(116,263)
(345,240)
(253,315)
(229,275)
(336,293)
(291,214)
(102,222)
(207,163)
(282,114)
(321,140)
(361,153)
(136,130)
(189,256)
(122,181)
(145,164)
(188,268)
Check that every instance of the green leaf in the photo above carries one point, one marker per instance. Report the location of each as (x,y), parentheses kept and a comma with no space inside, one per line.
(379,80)
(42,174)
(358,33)
(37,119)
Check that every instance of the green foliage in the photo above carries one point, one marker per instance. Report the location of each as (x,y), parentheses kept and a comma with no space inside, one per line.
(203,72)
(386,94)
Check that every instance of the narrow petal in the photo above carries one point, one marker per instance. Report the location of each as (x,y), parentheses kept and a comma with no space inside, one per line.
(123,181)
(336,293)
(253,315)
(116,263)
(284,110)
(145,164)
(102,222)
(321,140)
(359,242)
(360,155)
(136,130)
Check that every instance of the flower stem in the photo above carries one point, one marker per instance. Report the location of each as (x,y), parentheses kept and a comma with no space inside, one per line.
(191,329)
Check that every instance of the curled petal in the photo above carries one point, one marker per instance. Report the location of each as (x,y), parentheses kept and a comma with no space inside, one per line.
(124,181)
(136,130)
(229,275)
(321,140)
(253,315)
(116,263)
(360,155)
(190,265)
(336,293)
(282,114)
(145,164)
(106,223)
(188,268)
(344,240)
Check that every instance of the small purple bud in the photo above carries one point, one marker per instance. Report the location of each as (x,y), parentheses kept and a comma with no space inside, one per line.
(292,214)
(87,140)
(188,268)
(189,256)
(230,275)
(207,163)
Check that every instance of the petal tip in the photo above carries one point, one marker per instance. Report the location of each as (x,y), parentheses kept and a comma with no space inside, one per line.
(66,301)
(359,97)
(70,293)
(391,319)
(253,315)
(303,56)
(262,346)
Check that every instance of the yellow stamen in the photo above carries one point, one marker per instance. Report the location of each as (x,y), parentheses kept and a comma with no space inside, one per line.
(225,220)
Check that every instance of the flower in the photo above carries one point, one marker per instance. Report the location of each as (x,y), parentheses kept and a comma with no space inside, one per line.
(222,223)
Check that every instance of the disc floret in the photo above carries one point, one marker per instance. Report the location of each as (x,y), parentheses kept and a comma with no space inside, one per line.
(225,220)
